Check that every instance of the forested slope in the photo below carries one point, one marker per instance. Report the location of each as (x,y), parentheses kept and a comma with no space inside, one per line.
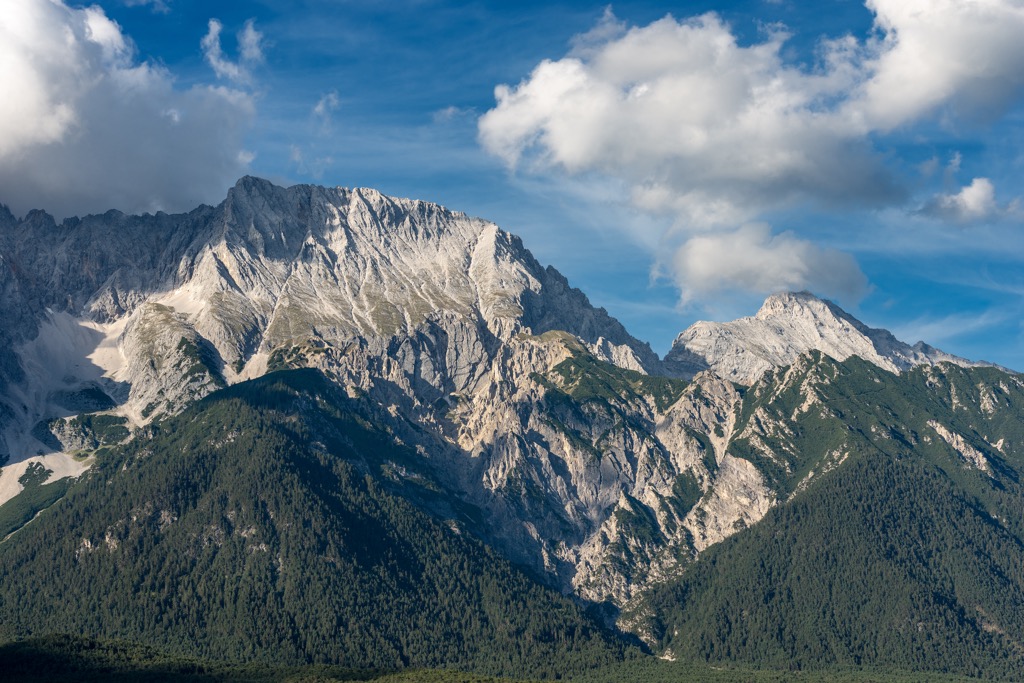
(898,547)
(270,523)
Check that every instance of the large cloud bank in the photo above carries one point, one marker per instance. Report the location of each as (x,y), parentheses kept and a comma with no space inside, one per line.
(717,133)
(85,126)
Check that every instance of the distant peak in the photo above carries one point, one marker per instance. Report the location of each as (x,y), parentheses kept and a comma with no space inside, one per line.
(251,186)
(248,182)
(790,324)
(806,305)
(39,219)
(789,302)
(370,193)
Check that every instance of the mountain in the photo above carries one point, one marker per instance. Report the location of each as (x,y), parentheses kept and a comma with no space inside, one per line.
(236,532)
(444,324)
(424,310)
(897,541)
(787,326)
(392,365)
(106,299)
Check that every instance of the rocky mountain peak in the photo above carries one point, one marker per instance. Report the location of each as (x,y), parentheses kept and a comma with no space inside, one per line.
(219,291)
(802,305)
(444,325)
(507,391)
(788,325)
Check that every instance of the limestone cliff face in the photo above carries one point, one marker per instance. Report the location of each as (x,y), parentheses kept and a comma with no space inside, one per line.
(444,324)
(584,454)
(272,268)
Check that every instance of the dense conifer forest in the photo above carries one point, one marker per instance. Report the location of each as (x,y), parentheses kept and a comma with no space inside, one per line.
(242,532)
(272,527)
(905,556)
(85,660)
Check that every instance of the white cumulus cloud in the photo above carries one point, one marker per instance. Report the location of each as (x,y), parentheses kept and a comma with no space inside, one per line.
(716,133)
(965,54)
(753,259)
(698,124)
(85,126)
(974,203)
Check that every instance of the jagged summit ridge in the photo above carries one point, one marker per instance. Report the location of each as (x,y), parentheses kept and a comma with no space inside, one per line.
(788,325)
(159,309)
(273,262)
(372,266)
(445,326)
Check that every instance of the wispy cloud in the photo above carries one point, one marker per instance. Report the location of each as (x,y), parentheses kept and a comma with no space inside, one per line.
(158,6)
(249,47)
(452,113)
(942,329)
(323,110)
(314,167)
(250,43)
(307,158)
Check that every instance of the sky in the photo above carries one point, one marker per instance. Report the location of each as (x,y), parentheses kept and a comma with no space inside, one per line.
(675,160)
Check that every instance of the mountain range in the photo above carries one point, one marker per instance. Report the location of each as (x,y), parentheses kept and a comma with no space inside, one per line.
(326,425)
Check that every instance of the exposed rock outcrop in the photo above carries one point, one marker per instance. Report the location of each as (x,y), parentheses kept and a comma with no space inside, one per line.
(583,453)
(787,326)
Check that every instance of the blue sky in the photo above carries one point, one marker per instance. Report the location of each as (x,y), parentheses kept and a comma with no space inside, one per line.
(676,161)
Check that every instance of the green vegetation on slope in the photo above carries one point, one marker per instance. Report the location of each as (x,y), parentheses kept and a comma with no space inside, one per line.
(900,553)
(37,495)
(654,670)
(259,526)
(585,378)
(85,660)
(272,523)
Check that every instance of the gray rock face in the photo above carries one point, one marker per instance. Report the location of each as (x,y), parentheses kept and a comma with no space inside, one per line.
(584,458)
(444,323)
(273,267)
(787,326)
